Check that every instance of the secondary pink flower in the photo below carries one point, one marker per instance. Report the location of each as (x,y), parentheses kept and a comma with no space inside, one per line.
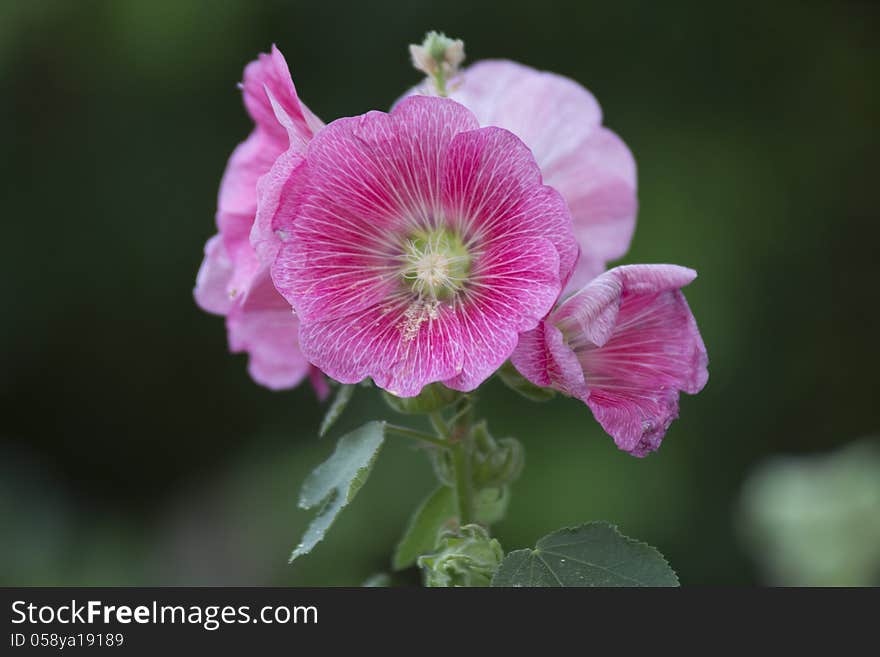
(561,123)
(625,345)
(417,246)
(234,279)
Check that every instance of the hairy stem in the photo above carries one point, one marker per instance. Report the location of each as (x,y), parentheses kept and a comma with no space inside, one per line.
(439,424)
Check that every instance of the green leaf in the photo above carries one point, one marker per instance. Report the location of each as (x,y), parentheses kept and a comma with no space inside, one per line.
(595,554)
(334,483)
(424,526)
(518,383)
(340,401)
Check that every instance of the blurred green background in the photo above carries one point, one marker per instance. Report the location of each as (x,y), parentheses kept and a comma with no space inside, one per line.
(135,450)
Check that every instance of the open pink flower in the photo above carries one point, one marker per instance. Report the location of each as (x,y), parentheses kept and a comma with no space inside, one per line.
(417,246)
(626,345)
(234,279)
(561,123)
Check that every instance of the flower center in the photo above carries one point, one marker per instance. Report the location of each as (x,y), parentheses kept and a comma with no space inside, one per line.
(436,263)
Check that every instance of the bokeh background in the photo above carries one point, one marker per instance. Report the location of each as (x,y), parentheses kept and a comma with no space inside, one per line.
(135,450)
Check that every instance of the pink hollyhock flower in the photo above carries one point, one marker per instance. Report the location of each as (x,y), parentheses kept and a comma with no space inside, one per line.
(625,345)
(561,123)
(417,246)
(234,277)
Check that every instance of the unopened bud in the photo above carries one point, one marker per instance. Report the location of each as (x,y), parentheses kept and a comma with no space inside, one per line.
(490,505)
(495,462)
(438,57)
(468,557)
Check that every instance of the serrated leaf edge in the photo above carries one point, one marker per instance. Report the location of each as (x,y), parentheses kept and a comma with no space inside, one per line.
(610,525)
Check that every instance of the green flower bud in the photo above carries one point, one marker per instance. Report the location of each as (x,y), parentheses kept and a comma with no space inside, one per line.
(439,57)
(495,463)
(433,397)
(466,558)
(490,504)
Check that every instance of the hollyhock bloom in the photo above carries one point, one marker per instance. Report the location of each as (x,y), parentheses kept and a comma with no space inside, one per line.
(625,345)
(234,277)
(561,123)
(417,246)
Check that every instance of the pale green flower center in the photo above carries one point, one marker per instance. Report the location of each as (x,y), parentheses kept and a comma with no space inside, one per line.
(436,264)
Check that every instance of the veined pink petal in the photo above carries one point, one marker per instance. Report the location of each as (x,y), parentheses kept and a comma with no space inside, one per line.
(269,72)
(552,114)
(212,281)
(234,280)
(369,178)
(598,181)
(264,326)
(402,344)
(418,246)
(515,283)
(279,194)
(560,122)
(543,357)
(637,346)
(483,187)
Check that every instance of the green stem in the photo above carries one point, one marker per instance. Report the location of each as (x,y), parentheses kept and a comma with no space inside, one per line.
(440,80)
(439,424)
(464,409)
(406,432)
(464,491)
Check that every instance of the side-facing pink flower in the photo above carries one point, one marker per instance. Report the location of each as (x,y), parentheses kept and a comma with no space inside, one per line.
(234,277)
(561,123)
(417,246)
(626,345)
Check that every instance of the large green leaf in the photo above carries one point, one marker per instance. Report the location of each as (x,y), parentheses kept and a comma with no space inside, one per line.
(595,554)
(340,401)
(424,526)
(334,483)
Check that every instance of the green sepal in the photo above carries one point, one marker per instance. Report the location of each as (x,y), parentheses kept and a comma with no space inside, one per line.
(433,397)
(518,383)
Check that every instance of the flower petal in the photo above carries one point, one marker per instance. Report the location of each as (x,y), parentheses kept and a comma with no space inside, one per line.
(543,357)
(264,326)
(493,185)
(373,185)
(234,279)
(638,345)
(269,73)
(598,182)
(402,345)
(212,281)
(560,122)
(368,177)
(279,192)
(513,288)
